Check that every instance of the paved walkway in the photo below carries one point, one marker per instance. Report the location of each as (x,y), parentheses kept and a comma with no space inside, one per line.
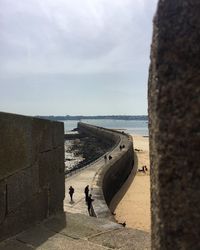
(86,177)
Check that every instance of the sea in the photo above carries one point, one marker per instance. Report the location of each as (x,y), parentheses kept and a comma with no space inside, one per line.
(137,127)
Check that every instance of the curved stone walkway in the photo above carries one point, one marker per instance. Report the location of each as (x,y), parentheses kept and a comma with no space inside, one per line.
(86,177)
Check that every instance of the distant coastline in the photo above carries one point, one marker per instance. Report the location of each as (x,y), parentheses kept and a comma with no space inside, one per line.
(96,117)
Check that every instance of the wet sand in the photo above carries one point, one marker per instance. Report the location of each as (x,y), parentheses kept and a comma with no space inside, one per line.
(132,203)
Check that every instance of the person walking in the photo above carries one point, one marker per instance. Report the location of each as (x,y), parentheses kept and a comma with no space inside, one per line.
(89,204)
(71,192)
(86,192)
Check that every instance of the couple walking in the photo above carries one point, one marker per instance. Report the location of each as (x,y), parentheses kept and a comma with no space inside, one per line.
(88,200)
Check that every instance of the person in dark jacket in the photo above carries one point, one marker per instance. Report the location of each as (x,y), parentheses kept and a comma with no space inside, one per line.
(71,192)
(89,204)
(86,192)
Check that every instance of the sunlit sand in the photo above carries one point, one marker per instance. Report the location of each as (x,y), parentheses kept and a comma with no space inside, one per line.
(134,207)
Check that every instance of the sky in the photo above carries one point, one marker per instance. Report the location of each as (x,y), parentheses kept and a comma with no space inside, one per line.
(75,57)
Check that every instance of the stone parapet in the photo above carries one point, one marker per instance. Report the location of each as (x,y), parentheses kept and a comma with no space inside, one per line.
(31,171)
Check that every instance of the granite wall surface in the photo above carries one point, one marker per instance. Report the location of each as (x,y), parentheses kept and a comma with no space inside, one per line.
(174,123)
(31,171)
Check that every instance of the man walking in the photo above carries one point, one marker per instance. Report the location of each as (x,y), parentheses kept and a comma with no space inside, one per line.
(89,204)
(71,192)
(86,193)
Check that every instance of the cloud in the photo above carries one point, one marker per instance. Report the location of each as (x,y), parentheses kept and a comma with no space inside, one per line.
(73,36)
(54,52)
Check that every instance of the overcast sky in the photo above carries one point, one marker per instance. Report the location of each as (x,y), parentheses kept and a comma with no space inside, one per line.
(87,57)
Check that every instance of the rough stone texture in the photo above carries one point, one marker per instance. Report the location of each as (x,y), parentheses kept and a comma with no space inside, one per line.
(2,201)
(14,245)
(31,171)
(29,212)
(174,118)
(42,135)
(79,226)
(15,151)
(21,186)
(57,179)
(58,137)
(129,239)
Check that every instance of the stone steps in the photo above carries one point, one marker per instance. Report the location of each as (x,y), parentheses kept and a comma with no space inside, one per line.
(78,231)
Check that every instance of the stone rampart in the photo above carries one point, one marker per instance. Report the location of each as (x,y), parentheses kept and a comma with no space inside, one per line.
(31,171)
(112,176)
(99,132)
(116,173)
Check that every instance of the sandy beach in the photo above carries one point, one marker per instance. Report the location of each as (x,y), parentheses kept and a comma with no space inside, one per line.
(132,203)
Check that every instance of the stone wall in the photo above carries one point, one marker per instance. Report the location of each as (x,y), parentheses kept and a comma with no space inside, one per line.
(110,179)
(31,171)
(174,118)
(99,132)
(117,173)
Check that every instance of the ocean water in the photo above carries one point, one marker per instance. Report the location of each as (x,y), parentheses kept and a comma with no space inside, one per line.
(138,127)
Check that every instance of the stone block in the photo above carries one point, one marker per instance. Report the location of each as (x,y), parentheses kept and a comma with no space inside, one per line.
(32,164)
(42,134)
(51,176)
(59,241)
(52,172)
(56,194)
(123,239)
(79,226)
(45,162)
(57,181)
(58,134)
(21,187)
(72,226)
(13,244)
(22,138)
(40,204)
(42,238)
(36,235)
(26,215)
(15,139)
(2,201)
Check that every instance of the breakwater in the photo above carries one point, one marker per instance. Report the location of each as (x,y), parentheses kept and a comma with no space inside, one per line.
(109,179)
(85,150)
(31,171)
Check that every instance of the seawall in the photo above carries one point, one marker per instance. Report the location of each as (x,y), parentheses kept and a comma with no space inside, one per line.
(31,171)
(109,179)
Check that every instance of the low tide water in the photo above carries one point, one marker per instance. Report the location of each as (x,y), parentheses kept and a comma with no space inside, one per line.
(137,127)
